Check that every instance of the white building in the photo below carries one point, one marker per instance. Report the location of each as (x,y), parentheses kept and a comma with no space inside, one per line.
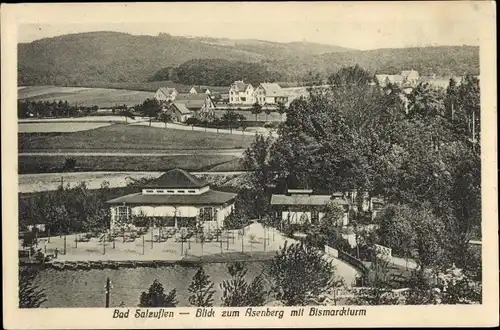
(164,94)
(301,206)
(270,93)
(241,93)
(176,199)
(410,77)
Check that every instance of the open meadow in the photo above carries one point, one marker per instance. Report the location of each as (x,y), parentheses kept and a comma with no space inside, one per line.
(129,148)
(126,138)
(102,97)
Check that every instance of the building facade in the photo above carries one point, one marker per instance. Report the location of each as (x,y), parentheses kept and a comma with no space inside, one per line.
(176,199)
(241,93)
(300,206)
(164,94)
(270,93)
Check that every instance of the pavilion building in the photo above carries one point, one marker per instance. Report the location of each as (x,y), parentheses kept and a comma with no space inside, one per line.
(301,206)
(175,199)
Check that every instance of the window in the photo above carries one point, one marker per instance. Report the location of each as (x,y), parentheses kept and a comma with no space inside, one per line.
(122,213)
(170,191)
(314,216)
(160,191)
(180,191)
(150,191)
(191,191)
(207,214)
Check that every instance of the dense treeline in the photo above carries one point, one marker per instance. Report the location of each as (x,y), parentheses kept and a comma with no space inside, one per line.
(218,72)
(39,109)
(100,58)
(419,152)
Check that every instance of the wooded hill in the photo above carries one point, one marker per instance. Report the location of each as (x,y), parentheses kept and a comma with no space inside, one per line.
(97,58)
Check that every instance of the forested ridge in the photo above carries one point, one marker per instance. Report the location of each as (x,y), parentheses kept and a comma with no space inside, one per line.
(97,58)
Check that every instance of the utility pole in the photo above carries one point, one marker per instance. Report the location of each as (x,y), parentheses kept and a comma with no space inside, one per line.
(473,131)
(151,225)
(108,289)
(64,244)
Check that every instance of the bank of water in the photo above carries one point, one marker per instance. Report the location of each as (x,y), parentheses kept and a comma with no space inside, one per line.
(85,288)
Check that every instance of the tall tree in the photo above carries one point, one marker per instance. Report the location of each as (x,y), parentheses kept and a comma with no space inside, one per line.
(281,109)
(150,108)
(256,109)
(156,297)
(300,274)
(237,292)
(201,290)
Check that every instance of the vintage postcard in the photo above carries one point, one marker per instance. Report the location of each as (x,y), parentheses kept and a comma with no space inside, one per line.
(245,164)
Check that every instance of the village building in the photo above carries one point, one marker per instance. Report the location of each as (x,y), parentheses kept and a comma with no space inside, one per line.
(180,113)
(199,90)
(410,76)
(165,94)
(176,199)
(386,79)
(190,105)
(270,93)
(241,93)
(300,206)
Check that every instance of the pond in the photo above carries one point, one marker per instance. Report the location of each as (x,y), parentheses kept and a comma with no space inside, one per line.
(85,288)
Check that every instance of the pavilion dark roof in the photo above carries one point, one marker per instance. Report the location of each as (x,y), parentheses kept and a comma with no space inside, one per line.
(176,178)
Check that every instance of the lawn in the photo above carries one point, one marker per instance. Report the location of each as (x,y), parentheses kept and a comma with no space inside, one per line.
(57,127)
(102,97)
(53,164)
(123,138)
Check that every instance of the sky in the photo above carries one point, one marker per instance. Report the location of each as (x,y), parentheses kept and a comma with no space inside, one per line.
(356,25)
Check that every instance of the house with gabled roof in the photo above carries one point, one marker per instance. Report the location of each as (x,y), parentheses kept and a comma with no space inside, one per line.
(241,93)
(180,112)
(176,199)
(270,93)
(186,106)
(165,94)
(410,76)
(199,90)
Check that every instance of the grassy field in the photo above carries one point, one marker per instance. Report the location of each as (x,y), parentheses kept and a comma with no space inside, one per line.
(53,164)
(102,97)
(123,138)
(57,127)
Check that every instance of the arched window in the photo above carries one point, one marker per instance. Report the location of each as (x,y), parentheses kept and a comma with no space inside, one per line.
(207,213)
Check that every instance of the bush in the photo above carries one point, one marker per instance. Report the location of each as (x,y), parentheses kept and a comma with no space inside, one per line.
(69,164)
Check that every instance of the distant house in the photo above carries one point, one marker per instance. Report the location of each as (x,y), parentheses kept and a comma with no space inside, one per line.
(386,79)
(164,94)
(196,102)
(270,93)
(300,206)
(410,76)
(199,90)
(176,199)
(180,112)
(241,93)
(407,79)
(188,105)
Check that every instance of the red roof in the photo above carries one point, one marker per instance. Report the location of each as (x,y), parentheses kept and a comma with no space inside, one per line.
(176,178)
